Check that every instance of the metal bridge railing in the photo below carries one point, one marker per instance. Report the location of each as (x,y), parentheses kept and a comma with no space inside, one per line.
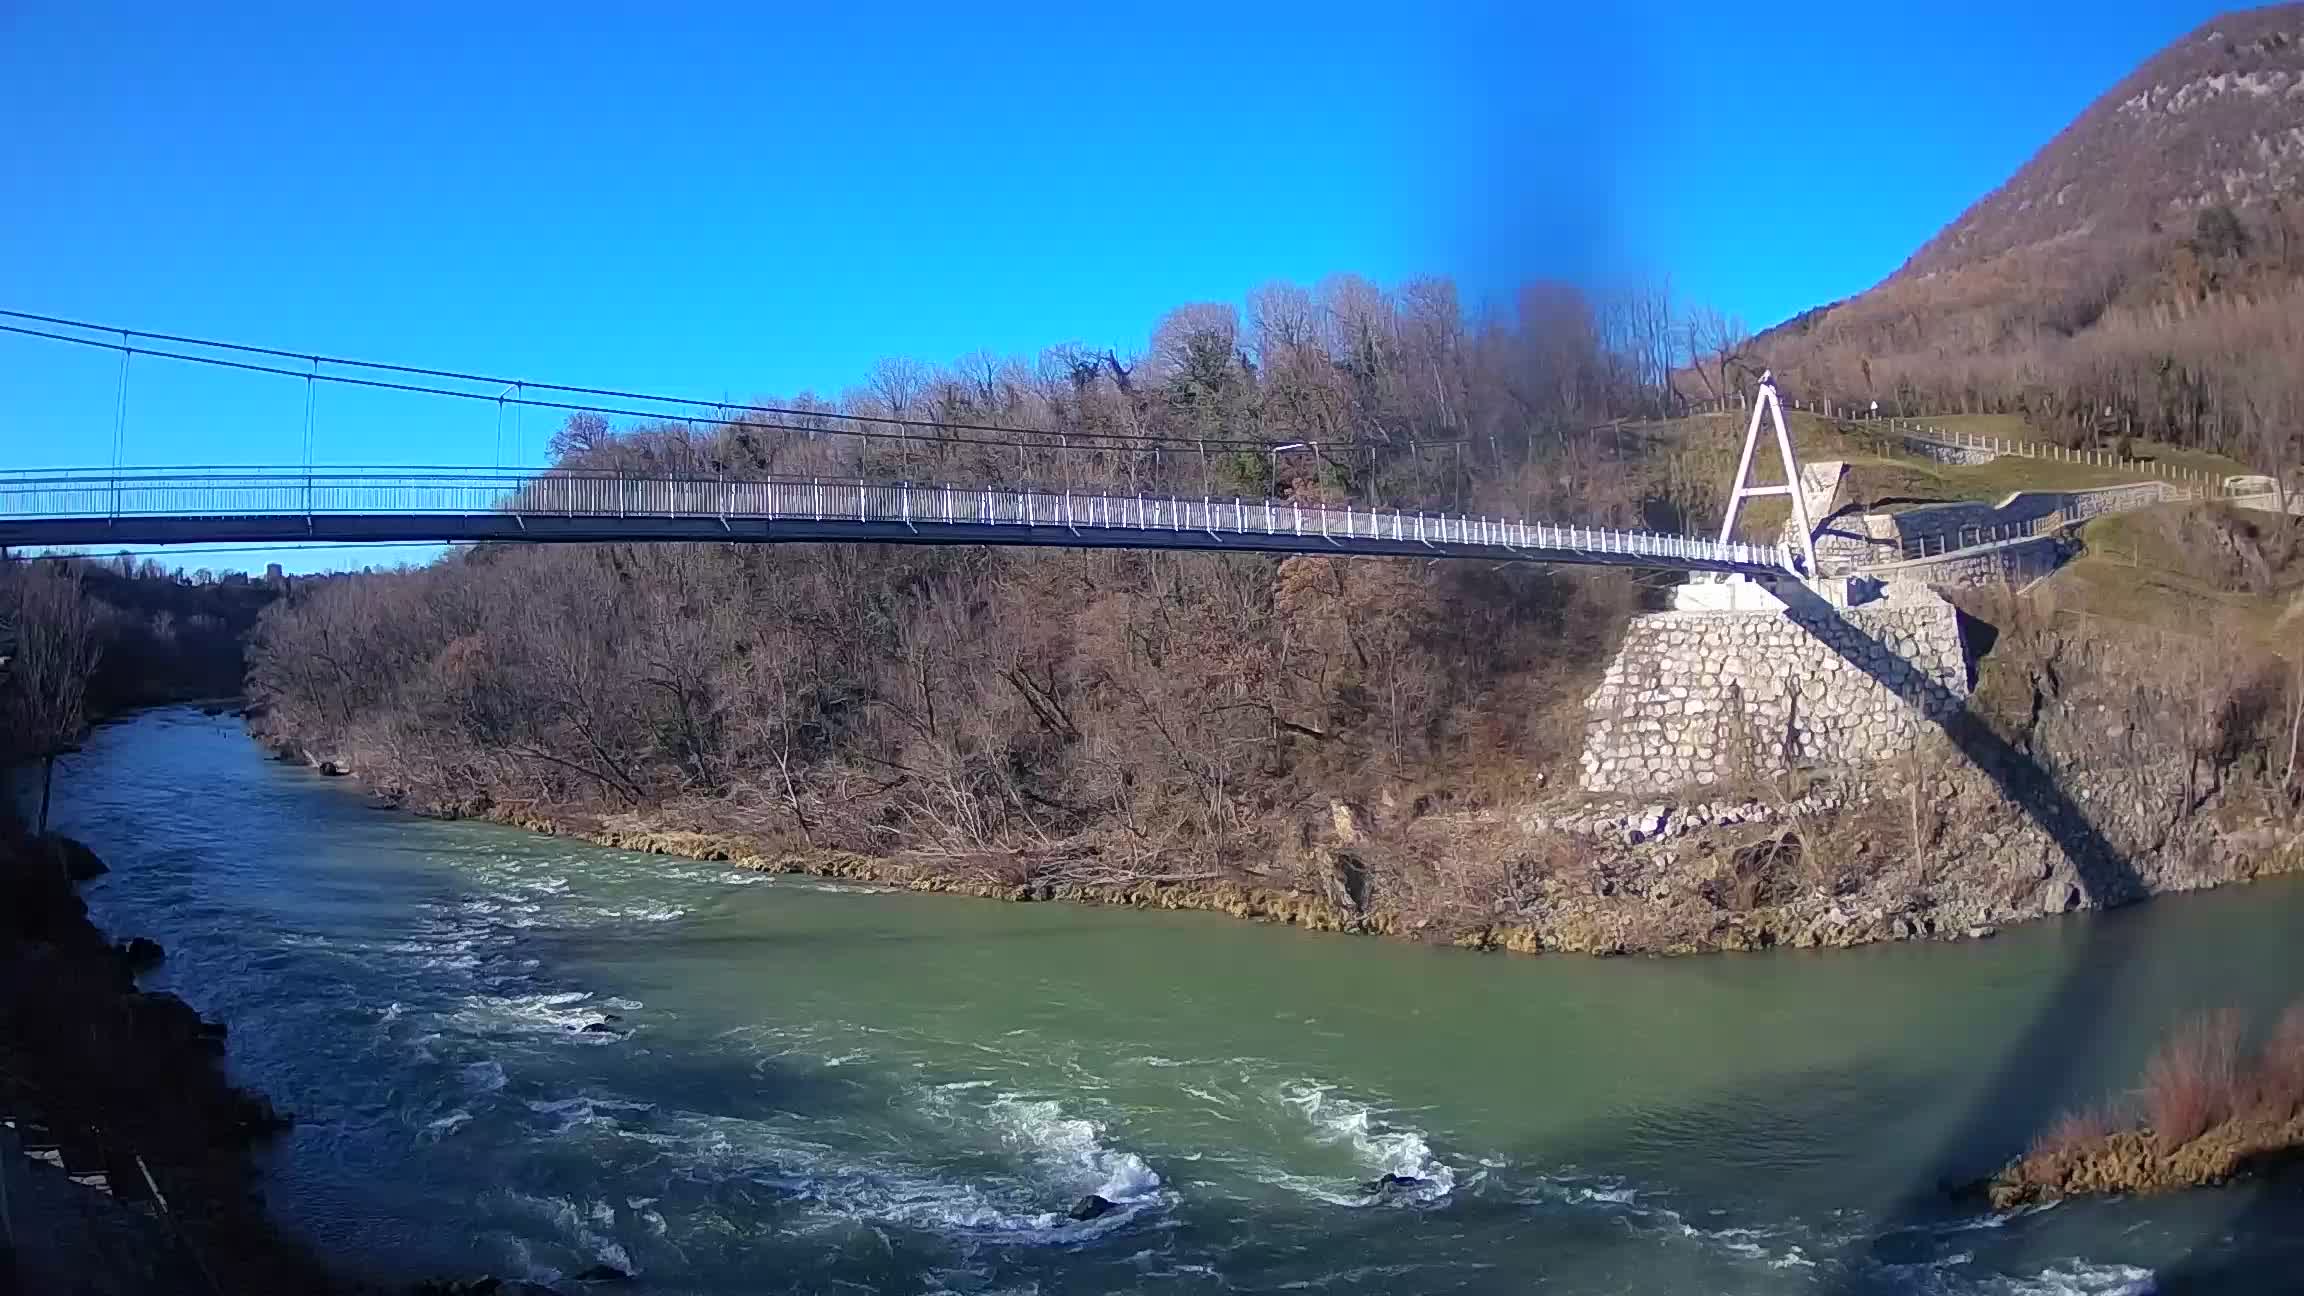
(225,492)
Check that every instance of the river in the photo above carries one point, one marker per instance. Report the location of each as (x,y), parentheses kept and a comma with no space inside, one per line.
(515,1054)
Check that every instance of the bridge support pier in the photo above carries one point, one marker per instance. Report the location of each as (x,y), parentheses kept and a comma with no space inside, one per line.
(1767,680)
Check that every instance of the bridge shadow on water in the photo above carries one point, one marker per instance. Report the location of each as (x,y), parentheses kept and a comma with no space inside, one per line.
(2033,1077)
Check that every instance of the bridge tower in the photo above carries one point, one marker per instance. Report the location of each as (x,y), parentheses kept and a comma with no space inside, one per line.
(1767,404)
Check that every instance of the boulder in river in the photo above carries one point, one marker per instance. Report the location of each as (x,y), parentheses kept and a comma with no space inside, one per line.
(78,862)
(1090,1207)
(334,769)
(485,1286)
(141,952)
(603,1273)
(1389,1185)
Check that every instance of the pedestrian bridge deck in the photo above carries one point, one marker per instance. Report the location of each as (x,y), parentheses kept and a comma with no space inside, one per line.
(188,505)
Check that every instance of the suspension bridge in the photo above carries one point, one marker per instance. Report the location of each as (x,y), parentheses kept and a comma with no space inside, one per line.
(114,506)
(102,507)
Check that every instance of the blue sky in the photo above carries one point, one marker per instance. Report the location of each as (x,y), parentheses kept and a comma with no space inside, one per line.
(751,200)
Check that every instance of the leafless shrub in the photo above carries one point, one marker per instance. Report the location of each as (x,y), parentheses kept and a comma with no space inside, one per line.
(2193,1083)
(2277,1080)
(44,685)
(2078,1129)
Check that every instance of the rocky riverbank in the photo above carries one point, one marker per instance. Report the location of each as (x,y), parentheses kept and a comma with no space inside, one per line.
(130,1159)
(2133,1161)
(2080,773)
(130,1142)
(2208,1111)
(1938,848)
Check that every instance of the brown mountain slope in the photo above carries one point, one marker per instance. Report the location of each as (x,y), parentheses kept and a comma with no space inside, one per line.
(2216,118)
(2142,275)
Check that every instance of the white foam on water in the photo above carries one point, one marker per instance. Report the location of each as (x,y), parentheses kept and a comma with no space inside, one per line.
(972,1212)
(440,954)
(1379,1146)
(1061,1158)
(2080,1278)
(1057,1159)
(446,1125)
(564,1012)
(1074,1149)
(484,1077)
(585,1109)
(616,913)
(1746,1244)
(585,1228)
(1996,1220)
(998,1213)
(1951,1276)
(1624,1201)
(1217,1103)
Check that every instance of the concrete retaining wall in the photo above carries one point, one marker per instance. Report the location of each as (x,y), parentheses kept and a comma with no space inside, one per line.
(1961,522)
(2011,562)
(1939,452)
(2269,502)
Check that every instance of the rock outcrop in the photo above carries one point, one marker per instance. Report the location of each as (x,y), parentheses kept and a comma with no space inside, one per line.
(132,1079)
(1090,1207)
(2132,1161)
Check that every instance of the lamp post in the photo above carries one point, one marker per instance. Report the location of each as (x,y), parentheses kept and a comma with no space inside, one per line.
(1293,445)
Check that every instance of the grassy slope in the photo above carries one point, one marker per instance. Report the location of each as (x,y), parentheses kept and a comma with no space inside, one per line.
(1888,477)
(2013,427)
(2131,570)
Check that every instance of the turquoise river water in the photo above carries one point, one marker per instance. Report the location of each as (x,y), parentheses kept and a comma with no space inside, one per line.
(513,1054)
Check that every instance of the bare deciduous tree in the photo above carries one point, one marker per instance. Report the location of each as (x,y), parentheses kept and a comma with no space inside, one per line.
(44,685)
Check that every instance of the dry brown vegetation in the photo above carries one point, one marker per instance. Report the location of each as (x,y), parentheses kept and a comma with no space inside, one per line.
(1030,715)
(2209,1108)
(2161,355)
(1030,721)
(82,639)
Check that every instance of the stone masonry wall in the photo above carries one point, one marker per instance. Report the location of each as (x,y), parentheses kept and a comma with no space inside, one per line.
(1697,698)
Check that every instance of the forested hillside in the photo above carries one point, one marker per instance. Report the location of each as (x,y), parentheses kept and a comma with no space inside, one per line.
(82,639)
(1161,712)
